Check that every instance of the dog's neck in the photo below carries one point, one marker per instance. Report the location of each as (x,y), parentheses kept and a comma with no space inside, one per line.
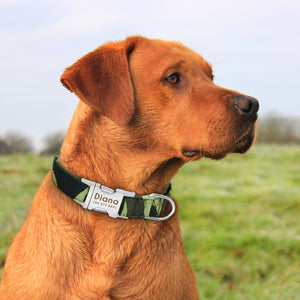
(97,149)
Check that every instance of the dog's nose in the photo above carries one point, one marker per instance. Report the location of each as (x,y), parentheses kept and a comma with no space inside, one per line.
(247,106)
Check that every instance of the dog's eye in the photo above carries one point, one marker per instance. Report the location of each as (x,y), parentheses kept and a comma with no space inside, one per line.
(173,79)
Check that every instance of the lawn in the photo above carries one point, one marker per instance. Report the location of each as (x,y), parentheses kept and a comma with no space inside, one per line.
(239,218)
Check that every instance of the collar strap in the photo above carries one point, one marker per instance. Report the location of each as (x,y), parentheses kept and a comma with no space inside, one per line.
(116,203)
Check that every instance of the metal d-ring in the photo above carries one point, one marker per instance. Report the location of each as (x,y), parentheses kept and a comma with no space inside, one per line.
(170,213)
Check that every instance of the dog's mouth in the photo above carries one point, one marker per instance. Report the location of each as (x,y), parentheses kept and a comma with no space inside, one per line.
(241,144)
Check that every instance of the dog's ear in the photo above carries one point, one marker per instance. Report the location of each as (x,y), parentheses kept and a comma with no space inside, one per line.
(102,80)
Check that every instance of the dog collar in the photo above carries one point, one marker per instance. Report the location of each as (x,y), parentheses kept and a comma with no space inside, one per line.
(116,203)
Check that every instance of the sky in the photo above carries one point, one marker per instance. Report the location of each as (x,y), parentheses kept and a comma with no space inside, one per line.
(253,46)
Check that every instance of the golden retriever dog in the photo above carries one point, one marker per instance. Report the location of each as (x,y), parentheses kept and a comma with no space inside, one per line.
(102,224)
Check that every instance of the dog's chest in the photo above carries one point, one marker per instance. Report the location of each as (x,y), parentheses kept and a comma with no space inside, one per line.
(157,271)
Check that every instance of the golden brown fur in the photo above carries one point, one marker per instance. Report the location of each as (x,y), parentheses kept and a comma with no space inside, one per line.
(133,129)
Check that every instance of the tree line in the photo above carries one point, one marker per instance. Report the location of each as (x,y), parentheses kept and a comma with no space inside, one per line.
(272,129)
(14,142)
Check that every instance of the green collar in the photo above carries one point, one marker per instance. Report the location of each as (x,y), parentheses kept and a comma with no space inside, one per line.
(116,203)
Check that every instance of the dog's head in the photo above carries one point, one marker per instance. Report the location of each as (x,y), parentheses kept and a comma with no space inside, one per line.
(168,89)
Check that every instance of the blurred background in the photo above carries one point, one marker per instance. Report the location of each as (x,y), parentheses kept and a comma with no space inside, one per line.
(240,215)
(253,46)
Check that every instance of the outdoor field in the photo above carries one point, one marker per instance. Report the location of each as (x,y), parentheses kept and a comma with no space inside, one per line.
(240,218)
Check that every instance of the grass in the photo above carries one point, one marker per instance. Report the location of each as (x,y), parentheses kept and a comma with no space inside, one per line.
(239,218)
(20,176)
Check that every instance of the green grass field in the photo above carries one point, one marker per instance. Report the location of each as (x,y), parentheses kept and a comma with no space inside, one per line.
(240,218)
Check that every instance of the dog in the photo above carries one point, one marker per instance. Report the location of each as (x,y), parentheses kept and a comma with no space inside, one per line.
(147,107)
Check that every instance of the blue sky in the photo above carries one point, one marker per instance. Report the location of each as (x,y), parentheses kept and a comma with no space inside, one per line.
(253,45)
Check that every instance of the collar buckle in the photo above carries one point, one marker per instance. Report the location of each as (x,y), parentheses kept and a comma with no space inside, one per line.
(103,199)
(106,200)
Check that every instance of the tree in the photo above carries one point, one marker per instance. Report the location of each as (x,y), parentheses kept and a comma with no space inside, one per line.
(14,142)
(53,143)
(279,130)
(4,149)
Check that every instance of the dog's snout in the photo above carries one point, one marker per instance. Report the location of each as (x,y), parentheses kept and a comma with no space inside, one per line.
(247,106)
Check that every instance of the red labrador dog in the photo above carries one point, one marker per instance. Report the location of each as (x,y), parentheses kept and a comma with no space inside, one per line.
(102,225)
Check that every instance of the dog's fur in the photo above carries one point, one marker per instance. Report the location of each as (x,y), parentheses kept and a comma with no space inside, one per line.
(134,127)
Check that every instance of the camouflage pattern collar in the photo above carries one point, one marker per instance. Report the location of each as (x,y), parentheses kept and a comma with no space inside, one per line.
(116,203)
